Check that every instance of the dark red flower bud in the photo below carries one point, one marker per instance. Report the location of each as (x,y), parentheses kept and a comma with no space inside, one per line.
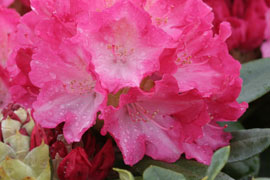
(38,135)
(89,144)
(51,137)
(102,162)
(58,147)
(74,166)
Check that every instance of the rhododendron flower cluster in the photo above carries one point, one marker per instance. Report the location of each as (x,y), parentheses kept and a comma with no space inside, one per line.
(152,71)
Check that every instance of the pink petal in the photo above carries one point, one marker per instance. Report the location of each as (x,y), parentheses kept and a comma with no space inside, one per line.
(173,15)
(55,105)
(266,49)
(124,45)
(6,3)
(155,123)
(68,89)
(4,94)
(203,148)
(9,19)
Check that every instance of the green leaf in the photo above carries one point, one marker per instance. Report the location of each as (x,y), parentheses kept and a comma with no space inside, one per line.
(256,80)
(219,159)
(261,179)
(191,169)
(155,172)
(124,174)
(245,168)
(248,143)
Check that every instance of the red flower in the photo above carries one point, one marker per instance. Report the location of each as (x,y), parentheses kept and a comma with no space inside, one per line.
(74,166)
(58,147)
(102,162)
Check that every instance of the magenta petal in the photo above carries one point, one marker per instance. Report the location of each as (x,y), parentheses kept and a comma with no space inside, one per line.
(55,105)
(154,123)
(124,45)
(203,148)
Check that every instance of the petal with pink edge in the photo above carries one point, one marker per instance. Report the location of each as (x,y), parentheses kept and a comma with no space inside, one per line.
(155,123)
(124,45)
(55,105)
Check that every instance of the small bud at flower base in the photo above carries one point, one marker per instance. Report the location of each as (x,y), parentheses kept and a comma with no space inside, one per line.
(74,166)
(102,162)
(58,148)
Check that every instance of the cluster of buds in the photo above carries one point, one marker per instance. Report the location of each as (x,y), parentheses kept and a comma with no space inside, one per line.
(26,150)
(19,157)
(86,159)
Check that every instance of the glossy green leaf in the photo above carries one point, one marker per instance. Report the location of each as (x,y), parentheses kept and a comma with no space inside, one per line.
(256,80)
(248,143)
(155,172)
(124,174)
(191,169)
(245,168)
(219,160)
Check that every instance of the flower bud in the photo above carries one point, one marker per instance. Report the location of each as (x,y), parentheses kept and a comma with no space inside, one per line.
(74,166)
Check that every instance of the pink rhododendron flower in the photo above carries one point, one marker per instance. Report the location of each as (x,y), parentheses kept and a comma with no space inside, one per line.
(21,88)
(213,71)
(173,77)
(4,94)
(214,136)
(172,15)
(266,49)
(57,17)
(124,45)
(6,3)
(155,123)
(68,89)
(8,22)
(18,65)
(215,74)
